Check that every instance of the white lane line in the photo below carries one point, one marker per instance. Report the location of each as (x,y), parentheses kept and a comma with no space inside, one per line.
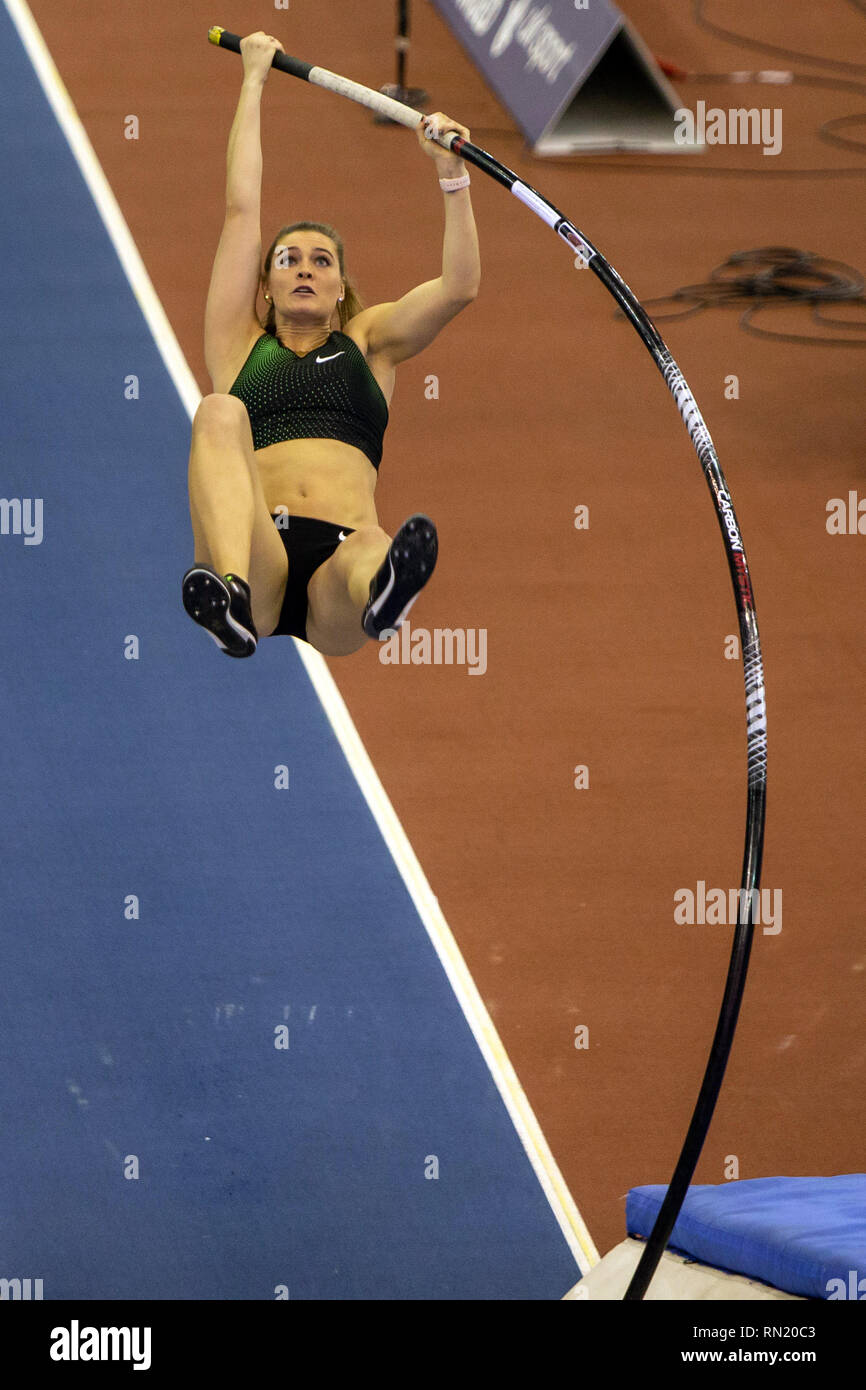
(427,905)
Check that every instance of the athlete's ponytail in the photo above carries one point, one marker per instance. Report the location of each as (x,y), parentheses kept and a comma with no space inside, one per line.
(351,304)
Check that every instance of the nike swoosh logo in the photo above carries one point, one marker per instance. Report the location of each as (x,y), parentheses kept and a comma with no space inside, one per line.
(332,356)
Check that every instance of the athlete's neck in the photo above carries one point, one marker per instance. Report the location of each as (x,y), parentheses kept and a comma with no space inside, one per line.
(303,339)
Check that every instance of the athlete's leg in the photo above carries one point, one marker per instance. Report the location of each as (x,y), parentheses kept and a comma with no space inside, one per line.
(338,591)
(232,528)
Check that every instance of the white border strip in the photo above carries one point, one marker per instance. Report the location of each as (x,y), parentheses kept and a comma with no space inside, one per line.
(543,1163)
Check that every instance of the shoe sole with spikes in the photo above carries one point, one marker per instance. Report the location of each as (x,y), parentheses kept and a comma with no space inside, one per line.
(221,605)
(397,583)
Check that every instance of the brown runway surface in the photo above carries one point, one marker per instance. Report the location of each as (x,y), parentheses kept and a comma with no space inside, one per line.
(605,646)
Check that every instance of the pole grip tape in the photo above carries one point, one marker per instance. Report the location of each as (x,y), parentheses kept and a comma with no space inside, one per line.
(223,39)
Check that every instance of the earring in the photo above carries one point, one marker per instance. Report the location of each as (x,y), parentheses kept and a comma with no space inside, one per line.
(268,298)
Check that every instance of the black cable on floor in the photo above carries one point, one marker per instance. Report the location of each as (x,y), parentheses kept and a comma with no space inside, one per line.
(773,275)
(748,42)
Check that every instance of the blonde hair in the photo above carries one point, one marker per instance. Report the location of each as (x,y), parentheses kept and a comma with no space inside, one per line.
(351,304)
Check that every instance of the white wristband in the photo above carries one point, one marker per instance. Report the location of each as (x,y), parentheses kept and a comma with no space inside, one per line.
(452,185)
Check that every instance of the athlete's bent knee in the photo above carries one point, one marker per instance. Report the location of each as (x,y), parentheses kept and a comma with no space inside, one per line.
(219,411)
(365,547)
(370,537)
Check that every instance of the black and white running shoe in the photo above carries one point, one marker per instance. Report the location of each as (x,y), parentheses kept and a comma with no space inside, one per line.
(221,605)
(402,575)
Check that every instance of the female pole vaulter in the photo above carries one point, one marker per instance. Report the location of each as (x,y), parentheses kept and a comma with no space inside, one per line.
(285,452)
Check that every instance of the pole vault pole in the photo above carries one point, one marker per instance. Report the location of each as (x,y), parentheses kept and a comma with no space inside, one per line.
(753,668)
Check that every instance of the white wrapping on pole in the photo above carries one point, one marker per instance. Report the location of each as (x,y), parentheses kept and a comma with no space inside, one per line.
(377,101)
(537,204)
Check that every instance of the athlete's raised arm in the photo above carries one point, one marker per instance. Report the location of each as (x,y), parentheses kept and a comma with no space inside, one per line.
(230,313)
(398,330)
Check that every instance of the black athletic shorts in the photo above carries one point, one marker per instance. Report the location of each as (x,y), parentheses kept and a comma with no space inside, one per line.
(309,543)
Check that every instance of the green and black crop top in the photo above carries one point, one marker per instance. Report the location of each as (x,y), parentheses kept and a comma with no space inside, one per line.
(329,393)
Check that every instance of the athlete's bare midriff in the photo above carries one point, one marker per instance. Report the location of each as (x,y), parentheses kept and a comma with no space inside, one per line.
(325,478)
(322,478)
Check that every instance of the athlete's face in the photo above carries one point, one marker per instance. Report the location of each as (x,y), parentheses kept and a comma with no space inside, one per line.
(305,275)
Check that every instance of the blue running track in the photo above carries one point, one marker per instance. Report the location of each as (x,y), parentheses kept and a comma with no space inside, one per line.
(167,908)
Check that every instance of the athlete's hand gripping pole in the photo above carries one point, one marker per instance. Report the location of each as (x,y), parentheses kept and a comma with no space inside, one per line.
(407,116)
(321,77)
